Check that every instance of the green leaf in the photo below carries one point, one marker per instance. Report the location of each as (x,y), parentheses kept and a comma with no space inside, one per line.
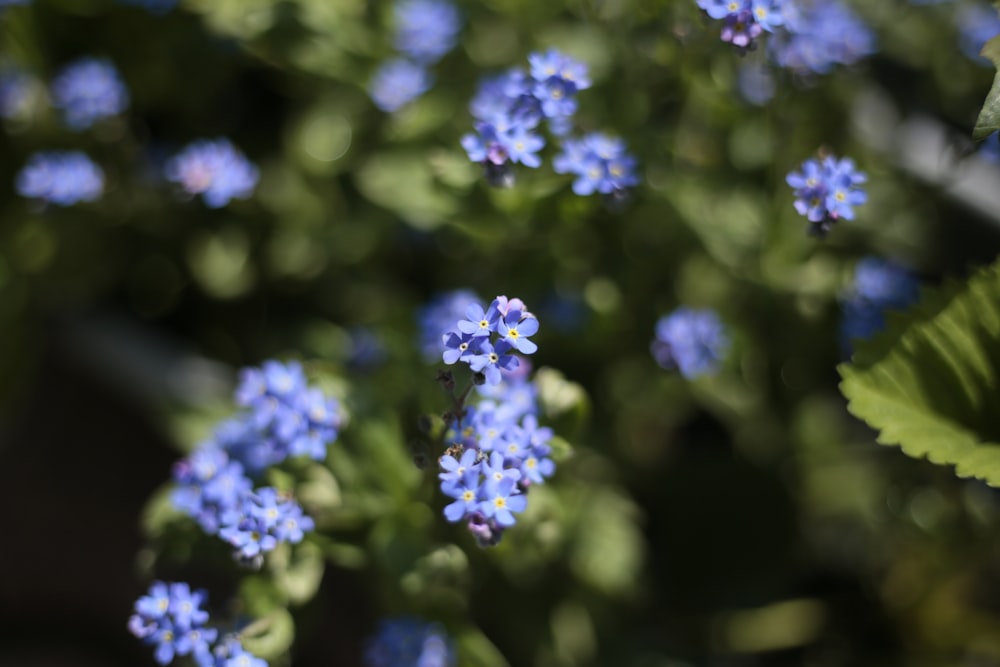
(297,571)
(476,650)
(929,383)
(989,116)
(271,636)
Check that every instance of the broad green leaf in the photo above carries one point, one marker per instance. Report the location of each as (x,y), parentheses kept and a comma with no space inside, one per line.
(989,116)
(929,384)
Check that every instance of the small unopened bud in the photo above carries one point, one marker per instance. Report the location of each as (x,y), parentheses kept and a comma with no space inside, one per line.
(446,380)
(424,424)
(448,417)
(479,379)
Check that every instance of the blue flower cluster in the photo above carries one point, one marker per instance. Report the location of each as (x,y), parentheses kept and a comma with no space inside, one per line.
(509,109)
(877,286)
(409,642)
(285,417)
(827,190)
(820,36)
(170,617)
(808,37)
(498,451)
(60,178)
(471,339)
(744,20)
(599,163)
(89,90)
(425,31)
(215,169)
(690,340)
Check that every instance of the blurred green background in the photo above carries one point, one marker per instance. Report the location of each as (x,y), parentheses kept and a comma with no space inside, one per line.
(744,519)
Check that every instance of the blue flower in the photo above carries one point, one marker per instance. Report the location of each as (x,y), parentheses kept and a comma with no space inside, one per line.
(398,82)
(466,492)
(456,469)
(977,24)
(87,91)
(232,654)
(170,617)
(600,164)
(768,13)
(878,286)
(492,359)
(515,331)
(409,642)
(820,36)
(502,500)
(61,178)
(827,191)
(691,340)
(721,9)
(215,169)
(426,30)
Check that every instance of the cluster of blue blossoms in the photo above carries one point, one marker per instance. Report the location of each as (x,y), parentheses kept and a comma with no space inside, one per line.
(692,341)
(285,417)
(62,178)
(88,91)
(498,451)
(826,191)
(425,31)
(744,20)
(807,37)
(509,109)
(214,169)
(877,286)
(409,642)
(170,617)
(471,339)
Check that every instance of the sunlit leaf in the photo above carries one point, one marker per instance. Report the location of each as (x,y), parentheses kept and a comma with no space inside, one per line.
(930,383)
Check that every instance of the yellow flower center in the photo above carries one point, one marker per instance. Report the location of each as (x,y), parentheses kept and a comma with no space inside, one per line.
(500,502)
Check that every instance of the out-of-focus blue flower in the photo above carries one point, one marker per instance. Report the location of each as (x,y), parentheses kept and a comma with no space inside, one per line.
(755,83)
(61,178)
(16,90)
(878,286)
(426,30)
(170,617)
(409,642)
(152,6)
(820,36)
(826,191)
(600,163)
(398,82)
(87,91)
(262,521)
(232,654)
(439,315)
(215,169)
(989,149)
(977,24)
(690,340)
